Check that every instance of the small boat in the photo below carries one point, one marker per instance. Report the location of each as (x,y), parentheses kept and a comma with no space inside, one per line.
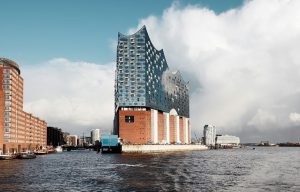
(51,150)
(26,155)
(59,149)
(6,157)
(42,152)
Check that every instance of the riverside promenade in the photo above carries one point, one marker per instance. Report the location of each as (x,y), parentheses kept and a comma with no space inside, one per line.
(161,148)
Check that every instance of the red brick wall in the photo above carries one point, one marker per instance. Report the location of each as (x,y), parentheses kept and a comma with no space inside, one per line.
(172,129)
(137,132)
(161,127)
(148,130)
(189,132)
(140,132)
(181,130)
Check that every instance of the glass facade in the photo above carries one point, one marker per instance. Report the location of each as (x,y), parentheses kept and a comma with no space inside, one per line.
(143,78)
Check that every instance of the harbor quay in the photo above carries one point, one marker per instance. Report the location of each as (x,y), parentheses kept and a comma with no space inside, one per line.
(161,148)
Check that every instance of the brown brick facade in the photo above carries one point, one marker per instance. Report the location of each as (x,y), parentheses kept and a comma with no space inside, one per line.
(172,130)
(140,131)
(161,128)
(189,132)
(18,130)
(181,131)
(137,132)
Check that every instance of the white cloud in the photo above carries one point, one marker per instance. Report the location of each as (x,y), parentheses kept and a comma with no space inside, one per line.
(241,63)
(294,118)
(262,118)
(76,96)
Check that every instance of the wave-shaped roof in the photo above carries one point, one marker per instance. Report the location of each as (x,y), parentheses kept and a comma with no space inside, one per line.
(143,29)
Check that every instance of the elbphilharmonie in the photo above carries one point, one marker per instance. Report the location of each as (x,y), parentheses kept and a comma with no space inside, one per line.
(151,100)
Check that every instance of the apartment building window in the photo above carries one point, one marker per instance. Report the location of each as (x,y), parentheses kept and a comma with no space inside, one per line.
(6,87)
(6,81)
(7,97)
(6,71)
(7,103)
(6,76)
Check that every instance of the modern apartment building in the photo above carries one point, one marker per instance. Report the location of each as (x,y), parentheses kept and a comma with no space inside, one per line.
(151,101)
(209,134)
(72,140)
(95,135)
(19,130)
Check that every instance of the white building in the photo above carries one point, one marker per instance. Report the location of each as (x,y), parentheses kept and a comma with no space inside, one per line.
(95,135)
(209,134)
(227,140)
(72,140)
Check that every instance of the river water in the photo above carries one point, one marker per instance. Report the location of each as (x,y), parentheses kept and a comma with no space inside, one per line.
(263,169)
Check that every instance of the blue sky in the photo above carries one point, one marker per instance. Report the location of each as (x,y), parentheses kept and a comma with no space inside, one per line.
(35,31)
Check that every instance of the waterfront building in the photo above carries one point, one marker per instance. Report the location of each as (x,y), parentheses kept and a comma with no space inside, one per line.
(84,141)
(54,136)
(88,141)
(72,140)
(95,135)
(19,130)
(151,101)
(65,137)
(227,140)
(81,141)
(209,134)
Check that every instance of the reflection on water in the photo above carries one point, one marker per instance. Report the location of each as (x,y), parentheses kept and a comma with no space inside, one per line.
(263,169)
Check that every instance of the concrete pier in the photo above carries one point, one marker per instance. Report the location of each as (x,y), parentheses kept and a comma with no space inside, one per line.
(160,148)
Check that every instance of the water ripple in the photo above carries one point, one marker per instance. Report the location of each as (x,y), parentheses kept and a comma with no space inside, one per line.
(264,169)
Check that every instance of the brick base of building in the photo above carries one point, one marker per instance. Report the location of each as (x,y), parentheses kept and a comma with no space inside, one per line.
(149,126)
